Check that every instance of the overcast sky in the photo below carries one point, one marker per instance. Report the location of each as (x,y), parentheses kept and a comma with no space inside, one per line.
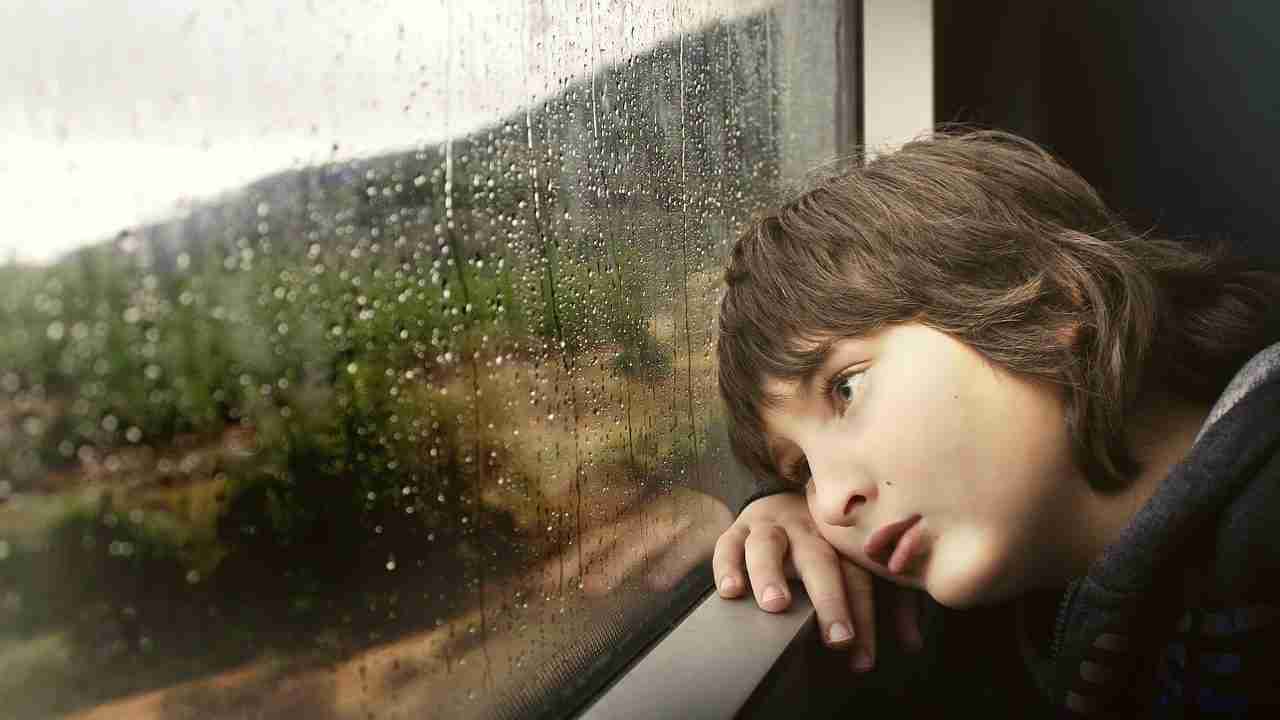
(113,113)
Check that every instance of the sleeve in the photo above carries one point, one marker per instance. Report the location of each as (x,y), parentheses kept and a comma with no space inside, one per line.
(761,489)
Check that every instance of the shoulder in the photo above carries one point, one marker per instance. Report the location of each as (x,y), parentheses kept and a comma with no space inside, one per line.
(1246,562)
(1262,367)
(1246,545)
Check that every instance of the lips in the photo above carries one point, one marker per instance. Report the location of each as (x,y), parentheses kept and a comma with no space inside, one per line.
(885,545)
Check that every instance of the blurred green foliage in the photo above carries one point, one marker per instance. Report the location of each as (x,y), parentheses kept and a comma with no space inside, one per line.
(299,334)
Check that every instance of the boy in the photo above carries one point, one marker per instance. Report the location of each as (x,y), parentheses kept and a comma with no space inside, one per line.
(980,384)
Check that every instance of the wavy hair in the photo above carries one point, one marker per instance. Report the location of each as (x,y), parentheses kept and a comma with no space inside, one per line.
(986,237)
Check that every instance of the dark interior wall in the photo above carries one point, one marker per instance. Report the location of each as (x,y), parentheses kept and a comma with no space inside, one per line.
(1169,107)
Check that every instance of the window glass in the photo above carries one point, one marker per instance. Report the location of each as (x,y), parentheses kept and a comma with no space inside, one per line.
(356,360)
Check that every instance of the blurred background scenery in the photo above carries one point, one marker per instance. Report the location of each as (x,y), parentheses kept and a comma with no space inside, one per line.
(356,361)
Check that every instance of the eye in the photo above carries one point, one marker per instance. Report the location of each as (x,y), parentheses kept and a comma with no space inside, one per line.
(845,388)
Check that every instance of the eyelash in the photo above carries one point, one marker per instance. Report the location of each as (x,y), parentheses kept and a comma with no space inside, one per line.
(798,473)
(834,381)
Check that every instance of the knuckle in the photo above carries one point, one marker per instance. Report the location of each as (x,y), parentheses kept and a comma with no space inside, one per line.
(757,509)
(825,553)
(768,534)
(826,599)
(776,535)
(722,544)
(731,538)
(807,524)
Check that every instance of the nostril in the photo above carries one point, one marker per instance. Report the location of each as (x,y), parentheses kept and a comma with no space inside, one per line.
(854,502)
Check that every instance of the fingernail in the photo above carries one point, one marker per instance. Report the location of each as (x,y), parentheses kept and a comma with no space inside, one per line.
(728,584)
(771,594)
(838,632)
(862,662)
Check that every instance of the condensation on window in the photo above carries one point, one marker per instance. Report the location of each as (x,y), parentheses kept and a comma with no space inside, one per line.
(357,361)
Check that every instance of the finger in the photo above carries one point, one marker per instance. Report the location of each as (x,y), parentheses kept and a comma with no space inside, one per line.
(766,547)
(859,586)
(728,565)
(819,570)
(906,616)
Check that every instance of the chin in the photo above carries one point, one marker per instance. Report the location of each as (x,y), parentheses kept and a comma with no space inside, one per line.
(955,600)
(966,585)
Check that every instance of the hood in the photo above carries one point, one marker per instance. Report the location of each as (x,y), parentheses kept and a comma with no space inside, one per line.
(1206,536)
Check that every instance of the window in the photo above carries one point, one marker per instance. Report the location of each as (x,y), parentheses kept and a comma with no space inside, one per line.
(357,361)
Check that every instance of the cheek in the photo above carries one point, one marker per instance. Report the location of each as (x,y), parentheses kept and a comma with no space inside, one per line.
(971,453)
(927,463)
(922,435)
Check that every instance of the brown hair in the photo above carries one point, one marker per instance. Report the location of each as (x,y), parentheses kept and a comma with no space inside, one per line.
(985,236)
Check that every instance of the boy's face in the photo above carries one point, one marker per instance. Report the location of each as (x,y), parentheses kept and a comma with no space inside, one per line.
(929,428)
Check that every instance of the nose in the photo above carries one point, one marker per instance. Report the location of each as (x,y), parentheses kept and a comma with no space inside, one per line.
(839,495)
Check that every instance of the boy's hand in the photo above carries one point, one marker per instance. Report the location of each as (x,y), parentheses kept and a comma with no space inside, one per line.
(775,538)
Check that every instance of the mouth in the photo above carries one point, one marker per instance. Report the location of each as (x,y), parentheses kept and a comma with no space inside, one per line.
(894,545)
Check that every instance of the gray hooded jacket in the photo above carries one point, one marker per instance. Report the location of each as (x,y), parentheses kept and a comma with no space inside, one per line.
(1180,617)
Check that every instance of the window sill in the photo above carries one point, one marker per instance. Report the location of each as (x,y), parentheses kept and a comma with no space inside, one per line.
(711,663)
(729,659)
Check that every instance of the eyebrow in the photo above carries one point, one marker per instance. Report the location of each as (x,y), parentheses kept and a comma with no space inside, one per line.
(815,359)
